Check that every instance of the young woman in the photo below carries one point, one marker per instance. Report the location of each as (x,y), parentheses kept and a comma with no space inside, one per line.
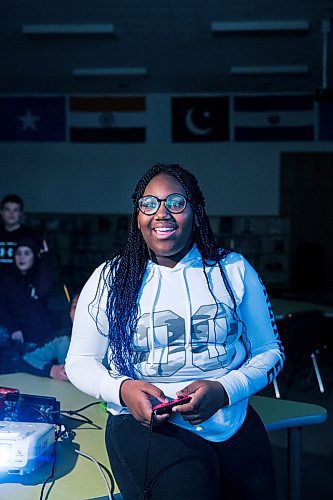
(178,316)
(23,291)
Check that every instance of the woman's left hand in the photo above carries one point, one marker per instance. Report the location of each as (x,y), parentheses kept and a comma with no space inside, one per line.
(208,396)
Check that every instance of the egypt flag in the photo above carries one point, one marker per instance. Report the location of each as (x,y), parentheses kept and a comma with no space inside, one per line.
(200,119)
(107,119)
(273,118)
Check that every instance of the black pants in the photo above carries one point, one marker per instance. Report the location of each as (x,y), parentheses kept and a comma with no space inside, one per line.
(184,466)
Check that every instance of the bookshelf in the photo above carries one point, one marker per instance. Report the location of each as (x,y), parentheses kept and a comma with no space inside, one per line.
(263,240)
(81,242)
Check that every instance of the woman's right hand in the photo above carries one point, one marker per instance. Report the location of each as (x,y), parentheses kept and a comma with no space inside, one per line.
(137,395)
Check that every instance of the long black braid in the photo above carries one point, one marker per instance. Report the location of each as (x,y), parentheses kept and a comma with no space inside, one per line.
(122,276)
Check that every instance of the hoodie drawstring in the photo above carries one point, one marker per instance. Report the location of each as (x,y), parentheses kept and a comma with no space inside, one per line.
(151,319)
(187,324)
(188,317)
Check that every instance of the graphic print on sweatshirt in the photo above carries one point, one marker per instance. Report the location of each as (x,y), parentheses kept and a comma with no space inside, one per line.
(164,352)
(7,249)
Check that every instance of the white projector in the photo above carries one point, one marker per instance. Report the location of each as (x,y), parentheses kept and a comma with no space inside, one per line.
(25,446)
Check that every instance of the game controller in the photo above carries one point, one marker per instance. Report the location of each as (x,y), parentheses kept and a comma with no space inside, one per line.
(163,408)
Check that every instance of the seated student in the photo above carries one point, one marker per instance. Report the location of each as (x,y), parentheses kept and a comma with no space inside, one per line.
(49,360)
(23,291)
(12,230)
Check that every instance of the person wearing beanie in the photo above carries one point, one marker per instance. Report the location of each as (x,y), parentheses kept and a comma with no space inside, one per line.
(23,292)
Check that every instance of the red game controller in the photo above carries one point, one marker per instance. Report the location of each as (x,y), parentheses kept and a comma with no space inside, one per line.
(3,394)
(167,407)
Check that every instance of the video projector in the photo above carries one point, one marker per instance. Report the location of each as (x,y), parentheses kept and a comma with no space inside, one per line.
(25,446)
(27,430)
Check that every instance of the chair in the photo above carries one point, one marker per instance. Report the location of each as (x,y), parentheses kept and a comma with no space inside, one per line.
(58,307)
(276,389)
(301,334)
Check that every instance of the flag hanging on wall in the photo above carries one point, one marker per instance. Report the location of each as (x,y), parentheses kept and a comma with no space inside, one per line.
(32,119)
(107,119)
(200,119)
(273,118)
(324,99)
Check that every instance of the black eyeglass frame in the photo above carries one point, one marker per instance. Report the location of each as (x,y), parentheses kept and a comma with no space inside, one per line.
(159,200)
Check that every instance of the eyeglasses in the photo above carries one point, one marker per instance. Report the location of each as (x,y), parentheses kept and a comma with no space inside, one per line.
(175,203)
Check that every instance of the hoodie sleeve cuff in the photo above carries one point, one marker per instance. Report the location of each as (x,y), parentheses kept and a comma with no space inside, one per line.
(110,388)
(235,385)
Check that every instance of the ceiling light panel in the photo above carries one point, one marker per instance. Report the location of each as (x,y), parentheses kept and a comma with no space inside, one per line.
(255,26)
(293,69)
(68,29)
(113,71)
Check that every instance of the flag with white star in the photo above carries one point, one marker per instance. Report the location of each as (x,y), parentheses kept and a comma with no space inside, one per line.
(32,119)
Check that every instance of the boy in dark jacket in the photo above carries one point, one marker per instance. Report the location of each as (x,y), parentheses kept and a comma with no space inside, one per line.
(12,230)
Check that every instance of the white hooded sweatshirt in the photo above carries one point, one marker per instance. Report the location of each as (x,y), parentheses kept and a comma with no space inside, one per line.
(184,335)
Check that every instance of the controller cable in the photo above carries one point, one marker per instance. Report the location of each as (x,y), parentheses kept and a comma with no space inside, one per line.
(62,432)
(147,487)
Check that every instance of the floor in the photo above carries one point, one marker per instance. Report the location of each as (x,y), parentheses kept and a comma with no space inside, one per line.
(317,456)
